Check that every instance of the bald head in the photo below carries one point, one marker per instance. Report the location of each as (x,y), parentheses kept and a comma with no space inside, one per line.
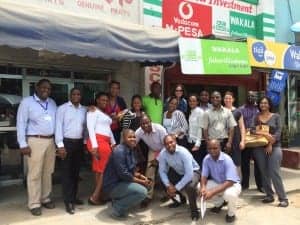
(214,148)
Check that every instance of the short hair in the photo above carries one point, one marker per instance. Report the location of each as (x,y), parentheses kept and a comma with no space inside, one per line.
(169,135)
(75,89)
(114,82)
(41,81)
(171,98)
(154,83)
(99,94)
(134,97)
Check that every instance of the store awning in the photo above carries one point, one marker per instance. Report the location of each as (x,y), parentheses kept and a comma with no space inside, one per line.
(22,26)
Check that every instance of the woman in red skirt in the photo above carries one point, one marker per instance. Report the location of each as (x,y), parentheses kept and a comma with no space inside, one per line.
(100,143)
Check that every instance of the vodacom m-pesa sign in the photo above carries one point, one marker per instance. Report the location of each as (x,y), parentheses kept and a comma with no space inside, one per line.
(190,19)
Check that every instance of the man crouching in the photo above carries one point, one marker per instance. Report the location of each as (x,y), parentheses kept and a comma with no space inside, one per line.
(121,183)
(224,184)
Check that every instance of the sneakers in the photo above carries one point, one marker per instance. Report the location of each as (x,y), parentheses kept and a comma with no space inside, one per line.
(283,203)
(268,199)
(230,219)
(118,217)
(36,211)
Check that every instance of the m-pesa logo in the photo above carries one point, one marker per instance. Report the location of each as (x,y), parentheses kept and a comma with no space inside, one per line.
(190,19)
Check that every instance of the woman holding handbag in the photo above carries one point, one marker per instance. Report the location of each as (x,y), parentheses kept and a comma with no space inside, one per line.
(269,158)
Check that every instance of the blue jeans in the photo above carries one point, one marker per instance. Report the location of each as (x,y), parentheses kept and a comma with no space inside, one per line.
(126,195)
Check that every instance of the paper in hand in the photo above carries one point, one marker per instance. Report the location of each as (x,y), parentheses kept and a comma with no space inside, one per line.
(202,206)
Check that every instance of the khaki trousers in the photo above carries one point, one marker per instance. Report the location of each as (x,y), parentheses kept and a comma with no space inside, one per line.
(150,172)
(40,168)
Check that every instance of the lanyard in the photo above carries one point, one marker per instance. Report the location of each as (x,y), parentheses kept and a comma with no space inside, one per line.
(43,106)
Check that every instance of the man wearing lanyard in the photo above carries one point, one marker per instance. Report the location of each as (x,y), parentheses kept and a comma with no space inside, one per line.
(69,130)
(35,129)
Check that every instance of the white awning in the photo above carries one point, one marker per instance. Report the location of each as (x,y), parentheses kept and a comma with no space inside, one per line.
(22,26)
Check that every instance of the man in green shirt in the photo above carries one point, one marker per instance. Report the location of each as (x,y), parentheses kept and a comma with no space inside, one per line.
(153,104)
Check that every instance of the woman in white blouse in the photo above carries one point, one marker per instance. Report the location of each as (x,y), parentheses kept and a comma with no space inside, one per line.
(174,121)
(100,143)
(195,118)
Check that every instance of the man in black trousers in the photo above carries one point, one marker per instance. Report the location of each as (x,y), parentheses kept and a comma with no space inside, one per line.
(70,127)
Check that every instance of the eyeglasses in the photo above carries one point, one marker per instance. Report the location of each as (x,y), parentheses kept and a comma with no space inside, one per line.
(179,90)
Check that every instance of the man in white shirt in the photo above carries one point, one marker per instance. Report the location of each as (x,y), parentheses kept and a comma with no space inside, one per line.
(153,135)
(69,134)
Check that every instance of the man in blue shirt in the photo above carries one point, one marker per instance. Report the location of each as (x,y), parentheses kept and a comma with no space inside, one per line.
(179,172)
(35,131)
(121,183)
(224,183)
(69,134)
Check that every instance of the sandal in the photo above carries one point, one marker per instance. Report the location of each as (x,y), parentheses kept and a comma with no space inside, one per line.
(92,202)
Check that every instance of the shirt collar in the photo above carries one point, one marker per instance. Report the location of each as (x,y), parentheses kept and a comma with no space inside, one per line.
(221,108)
(221,157)
(38,99)
(71,104)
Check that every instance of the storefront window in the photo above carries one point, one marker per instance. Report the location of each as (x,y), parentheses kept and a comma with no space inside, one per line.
(10,98)
(89,90)
(291,133)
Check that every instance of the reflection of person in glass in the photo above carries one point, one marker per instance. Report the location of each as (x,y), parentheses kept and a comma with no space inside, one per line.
(35,129)
(100,143)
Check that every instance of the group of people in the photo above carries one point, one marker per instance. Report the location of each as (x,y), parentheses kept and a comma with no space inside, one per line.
(197,147)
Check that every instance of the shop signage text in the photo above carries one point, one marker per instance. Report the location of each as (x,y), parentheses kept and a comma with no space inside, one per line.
(189,19)
(127,10)
(213,57)
(269,54)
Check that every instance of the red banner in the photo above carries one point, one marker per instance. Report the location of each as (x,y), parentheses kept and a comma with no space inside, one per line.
(190,19)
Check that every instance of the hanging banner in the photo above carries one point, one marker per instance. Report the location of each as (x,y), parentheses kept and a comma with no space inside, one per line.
(268,54)
(213,57)
(278,81)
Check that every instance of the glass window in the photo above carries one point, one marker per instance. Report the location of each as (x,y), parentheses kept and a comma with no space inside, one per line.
(10,98)
(291,132)
(89,90)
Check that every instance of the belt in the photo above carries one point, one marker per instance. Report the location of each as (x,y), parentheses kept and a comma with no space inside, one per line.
(73,139)
(41,136)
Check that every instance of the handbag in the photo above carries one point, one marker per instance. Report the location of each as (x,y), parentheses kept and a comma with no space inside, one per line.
(253,140)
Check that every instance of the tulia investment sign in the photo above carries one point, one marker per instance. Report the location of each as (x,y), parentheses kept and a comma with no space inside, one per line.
(213,57)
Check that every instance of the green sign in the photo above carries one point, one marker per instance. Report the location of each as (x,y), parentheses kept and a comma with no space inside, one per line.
(242,25)
(225,57)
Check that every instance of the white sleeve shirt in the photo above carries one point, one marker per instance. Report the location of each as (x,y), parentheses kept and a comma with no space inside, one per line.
(195,126)
(99,123)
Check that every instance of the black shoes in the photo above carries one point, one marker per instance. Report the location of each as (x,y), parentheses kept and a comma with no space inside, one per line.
(145,203)
(218,209)
(283,203)
(230,219)
(36,211)
(70,208)
(268,199)
(49,205)
(195,215)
